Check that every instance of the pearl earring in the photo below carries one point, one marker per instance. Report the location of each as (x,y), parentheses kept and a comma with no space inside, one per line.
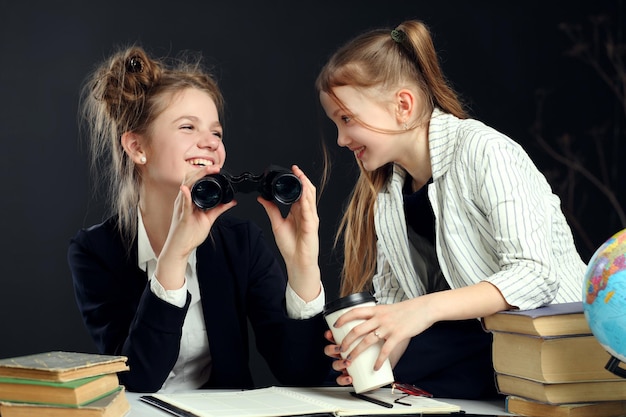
(143,159)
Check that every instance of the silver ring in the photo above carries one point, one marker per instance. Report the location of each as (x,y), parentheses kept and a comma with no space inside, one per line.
(377,334)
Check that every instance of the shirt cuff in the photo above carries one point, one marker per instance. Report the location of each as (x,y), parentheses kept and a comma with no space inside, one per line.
(299,309)
(175,297)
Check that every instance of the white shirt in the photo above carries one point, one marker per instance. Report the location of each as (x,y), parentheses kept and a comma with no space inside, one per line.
(193,366)
(496,220)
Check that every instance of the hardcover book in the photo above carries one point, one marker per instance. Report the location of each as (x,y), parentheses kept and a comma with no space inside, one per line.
(551,320)
(562,393)
(61,366)
(113,405)
(70,393)
(550,359)
(525,407)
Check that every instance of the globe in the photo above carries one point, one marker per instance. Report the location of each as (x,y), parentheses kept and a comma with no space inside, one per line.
(604,299)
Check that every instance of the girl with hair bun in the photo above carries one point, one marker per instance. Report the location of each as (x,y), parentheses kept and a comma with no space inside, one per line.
(169,285)
(449,220)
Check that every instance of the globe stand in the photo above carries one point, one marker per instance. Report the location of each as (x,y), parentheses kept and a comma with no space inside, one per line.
(613,366)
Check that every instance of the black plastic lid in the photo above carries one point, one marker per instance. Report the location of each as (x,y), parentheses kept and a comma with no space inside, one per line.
(348,301)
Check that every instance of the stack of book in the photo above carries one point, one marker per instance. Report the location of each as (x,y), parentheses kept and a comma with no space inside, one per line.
(62,384)
(548,363)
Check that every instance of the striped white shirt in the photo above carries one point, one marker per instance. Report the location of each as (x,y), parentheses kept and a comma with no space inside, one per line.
(496,220)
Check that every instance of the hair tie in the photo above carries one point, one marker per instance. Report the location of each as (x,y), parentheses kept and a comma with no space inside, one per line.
(134,64)
(398,36)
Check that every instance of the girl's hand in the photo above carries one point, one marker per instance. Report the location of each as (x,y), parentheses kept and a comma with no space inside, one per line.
(397,323)
(297,238)
(339,364)
(189,227)
(393,323)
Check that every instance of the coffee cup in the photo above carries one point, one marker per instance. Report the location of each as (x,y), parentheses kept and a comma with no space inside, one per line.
(361,369)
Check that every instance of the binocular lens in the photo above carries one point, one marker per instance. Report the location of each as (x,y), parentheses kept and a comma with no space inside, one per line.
(286,188)
(275,184)
(207,193)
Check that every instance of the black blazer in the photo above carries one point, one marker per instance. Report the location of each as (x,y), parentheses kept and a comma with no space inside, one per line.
(240,279)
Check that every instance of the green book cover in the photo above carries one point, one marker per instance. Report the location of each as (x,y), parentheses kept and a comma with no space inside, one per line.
(73,393)
(94,401)
(67,384)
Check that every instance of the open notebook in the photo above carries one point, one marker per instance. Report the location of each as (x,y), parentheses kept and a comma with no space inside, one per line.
(279,401)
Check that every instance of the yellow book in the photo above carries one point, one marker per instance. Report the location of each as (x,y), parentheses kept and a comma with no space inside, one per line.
(562,393)
(552,320)
(526,407)
(550,359)
(70,393)
(113,405)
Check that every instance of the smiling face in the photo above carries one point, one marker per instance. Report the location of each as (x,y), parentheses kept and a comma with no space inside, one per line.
(187,135)
(373,145)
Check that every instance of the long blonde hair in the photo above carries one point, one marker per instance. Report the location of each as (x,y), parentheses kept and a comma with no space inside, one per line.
(125,94)
(378,59)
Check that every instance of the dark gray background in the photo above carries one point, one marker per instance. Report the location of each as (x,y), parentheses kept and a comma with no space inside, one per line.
(265,55)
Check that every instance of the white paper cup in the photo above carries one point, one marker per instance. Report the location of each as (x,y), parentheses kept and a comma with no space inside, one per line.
(364,377)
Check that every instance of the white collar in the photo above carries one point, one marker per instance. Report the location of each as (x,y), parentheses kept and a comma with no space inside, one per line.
(145,253)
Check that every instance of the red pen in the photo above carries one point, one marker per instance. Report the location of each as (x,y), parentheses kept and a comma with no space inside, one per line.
(410,390)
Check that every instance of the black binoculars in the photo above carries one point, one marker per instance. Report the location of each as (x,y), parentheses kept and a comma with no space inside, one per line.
(275,184)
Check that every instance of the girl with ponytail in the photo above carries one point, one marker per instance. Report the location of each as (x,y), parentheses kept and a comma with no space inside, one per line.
(448,222)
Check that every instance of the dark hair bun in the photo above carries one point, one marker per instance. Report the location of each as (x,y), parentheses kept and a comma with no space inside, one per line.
(123,83)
